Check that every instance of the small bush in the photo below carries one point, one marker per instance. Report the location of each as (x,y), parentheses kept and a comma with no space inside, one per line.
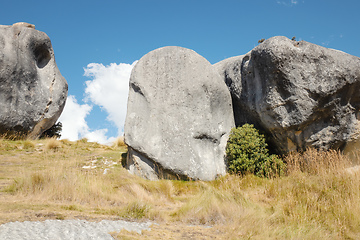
(53,132)
(247,152)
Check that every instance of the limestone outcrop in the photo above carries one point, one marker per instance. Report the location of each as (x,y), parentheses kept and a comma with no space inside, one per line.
(300,93)
(32,90)
(178,118)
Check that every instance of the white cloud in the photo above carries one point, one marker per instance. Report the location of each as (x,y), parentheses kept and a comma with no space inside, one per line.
(99,136)
(109,89)
(73,119)
(74,125)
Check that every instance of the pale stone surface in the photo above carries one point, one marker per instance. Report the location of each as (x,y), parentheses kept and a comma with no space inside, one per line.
(179,116)
(32,92)
(68,229)
(300,93)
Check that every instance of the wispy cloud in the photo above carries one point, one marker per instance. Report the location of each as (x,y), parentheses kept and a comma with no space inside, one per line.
(288,3)
(331,39)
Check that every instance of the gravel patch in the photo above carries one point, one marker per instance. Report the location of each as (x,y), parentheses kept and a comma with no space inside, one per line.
(67,229)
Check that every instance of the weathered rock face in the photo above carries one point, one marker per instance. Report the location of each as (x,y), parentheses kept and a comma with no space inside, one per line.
(300,93)
(178,118)
(32,91)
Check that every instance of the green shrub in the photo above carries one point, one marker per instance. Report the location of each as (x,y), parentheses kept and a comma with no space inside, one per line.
(247,152)
(53,132)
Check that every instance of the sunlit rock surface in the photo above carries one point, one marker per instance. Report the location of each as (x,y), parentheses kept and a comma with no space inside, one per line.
(179,117)
(300,93)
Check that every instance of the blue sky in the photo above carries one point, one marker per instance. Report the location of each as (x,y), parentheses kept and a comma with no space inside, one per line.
(111,35)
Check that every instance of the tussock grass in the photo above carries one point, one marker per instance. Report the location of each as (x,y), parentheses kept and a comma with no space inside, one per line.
(119,142)
(13,136)
(28,144)
(317,199)
(52,144)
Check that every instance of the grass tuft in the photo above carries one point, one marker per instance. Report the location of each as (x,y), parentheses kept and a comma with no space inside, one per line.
(52,144)
(28,145)
(135,210)
(317,162)
(119,142)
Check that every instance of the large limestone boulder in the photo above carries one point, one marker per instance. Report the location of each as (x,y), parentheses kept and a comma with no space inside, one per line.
(32,90)
(300,93)
(178,118)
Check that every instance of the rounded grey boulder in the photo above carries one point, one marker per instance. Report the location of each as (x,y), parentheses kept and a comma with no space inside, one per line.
(32,91)
(300,93)
(178,118)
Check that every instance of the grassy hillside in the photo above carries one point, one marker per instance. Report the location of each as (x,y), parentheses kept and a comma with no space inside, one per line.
(50,179)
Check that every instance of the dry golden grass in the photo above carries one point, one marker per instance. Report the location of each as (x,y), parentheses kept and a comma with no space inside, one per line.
(28,144)
(173,231)
(119,142)
(317,199)
(52,144)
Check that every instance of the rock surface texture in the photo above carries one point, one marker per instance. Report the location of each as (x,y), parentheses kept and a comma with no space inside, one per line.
(300,93)
(179,116)
(32,90)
